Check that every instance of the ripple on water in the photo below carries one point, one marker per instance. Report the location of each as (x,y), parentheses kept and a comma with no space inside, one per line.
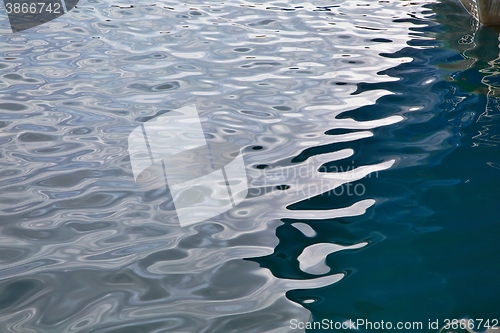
(84,248)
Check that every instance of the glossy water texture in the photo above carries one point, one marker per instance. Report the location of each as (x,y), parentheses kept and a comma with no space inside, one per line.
(398,98)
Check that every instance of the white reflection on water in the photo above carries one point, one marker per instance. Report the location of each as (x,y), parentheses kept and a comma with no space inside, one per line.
(84,248)
(312,259)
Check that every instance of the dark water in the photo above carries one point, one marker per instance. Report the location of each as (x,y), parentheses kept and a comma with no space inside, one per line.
(397,102)
(433,250)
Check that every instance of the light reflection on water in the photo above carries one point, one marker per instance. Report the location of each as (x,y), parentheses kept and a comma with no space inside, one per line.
(85,249)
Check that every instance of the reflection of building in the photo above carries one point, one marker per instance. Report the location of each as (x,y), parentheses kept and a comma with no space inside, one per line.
(486,11)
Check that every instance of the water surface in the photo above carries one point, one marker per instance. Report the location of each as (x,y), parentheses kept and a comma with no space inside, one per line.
(398,98)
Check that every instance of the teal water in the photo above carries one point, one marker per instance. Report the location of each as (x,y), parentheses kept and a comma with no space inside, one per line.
(433,235)
(407,94)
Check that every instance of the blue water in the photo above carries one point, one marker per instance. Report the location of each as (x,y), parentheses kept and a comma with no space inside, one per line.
(393,106)
(434,251)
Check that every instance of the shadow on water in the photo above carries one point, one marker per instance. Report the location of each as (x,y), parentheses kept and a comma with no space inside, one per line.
(432,252)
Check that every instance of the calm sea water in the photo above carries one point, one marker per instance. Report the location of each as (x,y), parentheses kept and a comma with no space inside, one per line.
(391,108)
